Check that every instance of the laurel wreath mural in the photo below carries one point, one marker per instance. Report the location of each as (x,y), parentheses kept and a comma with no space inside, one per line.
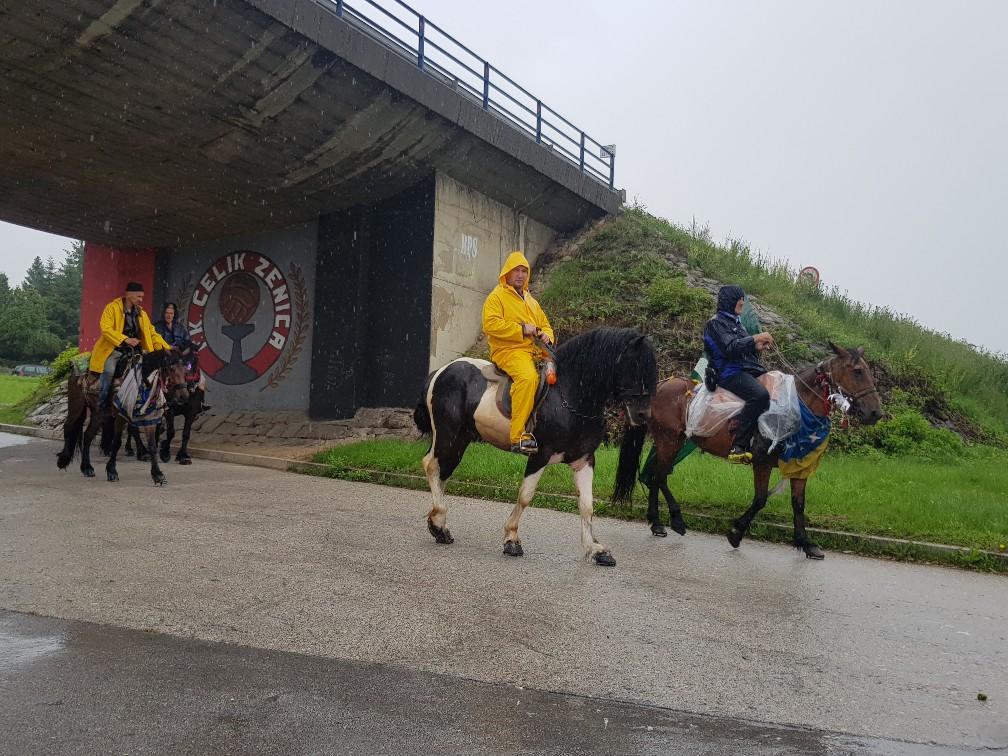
(299,332)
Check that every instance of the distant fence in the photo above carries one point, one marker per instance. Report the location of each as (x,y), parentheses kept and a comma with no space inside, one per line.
(442,56)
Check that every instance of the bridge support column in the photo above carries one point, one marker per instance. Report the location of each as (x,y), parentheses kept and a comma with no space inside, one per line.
(107,270)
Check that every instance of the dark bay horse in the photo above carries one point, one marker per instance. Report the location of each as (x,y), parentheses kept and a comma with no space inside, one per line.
(188,408)
(594,370)
(162,371)
(846,373)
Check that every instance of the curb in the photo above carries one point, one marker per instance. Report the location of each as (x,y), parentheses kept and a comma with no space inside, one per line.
(870,544)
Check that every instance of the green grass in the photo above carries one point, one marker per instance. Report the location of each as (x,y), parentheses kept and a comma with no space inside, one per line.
(956,503)
(16,395)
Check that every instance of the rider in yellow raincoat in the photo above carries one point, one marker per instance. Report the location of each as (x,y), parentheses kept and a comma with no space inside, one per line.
(511,319)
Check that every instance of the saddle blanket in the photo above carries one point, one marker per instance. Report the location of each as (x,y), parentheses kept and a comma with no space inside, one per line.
(140,402)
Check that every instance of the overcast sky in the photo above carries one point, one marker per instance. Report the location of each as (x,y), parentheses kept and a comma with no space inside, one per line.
(869,139)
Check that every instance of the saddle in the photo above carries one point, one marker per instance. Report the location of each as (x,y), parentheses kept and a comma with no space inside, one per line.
(494,374)
(90,379)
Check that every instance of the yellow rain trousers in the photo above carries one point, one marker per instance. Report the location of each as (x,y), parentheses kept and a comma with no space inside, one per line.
(504,312)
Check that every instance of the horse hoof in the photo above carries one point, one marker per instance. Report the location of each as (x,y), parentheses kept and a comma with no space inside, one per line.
(814,552)
(128,452)
(658,530)
(734,537)
(159,480)
(112,475)
(143,457)
(87,472)
(165,455)
(604,559)
(184,460)
(678,525)
(441,535)
(513,548)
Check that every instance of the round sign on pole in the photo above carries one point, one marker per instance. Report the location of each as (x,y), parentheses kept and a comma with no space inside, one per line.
(810,274)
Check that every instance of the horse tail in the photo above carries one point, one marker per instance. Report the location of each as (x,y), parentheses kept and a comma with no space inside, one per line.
(629,463)
(421,415)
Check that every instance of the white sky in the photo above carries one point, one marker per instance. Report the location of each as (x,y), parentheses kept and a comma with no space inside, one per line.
(868,139)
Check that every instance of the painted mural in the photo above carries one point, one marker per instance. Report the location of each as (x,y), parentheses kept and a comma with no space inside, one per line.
(248,309)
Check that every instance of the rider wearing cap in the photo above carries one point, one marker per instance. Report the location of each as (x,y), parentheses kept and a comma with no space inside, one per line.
(512,318)
(124,326)
(735,359)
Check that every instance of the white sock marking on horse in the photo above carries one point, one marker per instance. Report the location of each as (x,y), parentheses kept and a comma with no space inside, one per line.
(525,494)
(583,475)
(439,512)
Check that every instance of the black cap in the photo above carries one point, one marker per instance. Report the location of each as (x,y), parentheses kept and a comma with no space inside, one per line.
(134,286)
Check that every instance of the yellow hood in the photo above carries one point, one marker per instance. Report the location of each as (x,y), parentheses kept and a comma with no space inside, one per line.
(513,261)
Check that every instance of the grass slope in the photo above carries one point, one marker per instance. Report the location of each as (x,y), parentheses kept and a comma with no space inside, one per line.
(631,272)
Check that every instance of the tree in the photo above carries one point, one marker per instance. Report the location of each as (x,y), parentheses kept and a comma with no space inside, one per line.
(24,330)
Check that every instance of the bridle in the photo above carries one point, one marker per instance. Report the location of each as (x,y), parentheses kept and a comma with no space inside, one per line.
(829,391)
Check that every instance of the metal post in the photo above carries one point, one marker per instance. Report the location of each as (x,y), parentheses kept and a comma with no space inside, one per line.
(486,85)
(420,44)
(339,8)
(612,169)
(582,151)
(538,121)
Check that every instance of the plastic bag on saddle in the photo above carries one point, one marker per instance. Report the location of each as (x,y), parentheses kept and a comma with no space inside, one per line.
(709,412)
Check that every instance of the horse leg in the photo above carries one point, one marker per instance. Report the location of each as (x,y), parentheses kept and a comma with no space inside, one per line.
(439,463)
(169,429)
(761,483)
(584,473)
(183,457)
(128,449)
(533,471)
(73,427)
(155,470)
(801,539)
(95,422)
(143,451)
(110,467)
(664,465)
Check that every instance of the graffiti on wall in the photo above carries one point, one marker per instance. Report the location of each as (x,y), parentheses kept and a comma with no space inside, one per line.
(248,319)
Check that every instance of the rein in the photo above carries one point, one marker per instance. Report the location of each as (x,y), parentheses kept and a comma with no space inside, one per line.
(829,388)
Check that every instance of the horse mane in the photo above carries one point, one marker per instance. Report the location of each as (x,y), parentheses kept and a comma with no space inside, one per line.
(588,362)
(157,360)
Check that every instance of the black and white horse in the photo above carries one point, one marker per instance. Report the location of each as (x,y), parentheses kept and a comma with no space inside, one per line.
(596,369)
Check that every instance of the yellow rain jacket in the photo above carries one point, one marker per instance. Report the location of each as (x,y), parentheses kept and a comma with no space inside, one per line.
(504,312)
(113,320)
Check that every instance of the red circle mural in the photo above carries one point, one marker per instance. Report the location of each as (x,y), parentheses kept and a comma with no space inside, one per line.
(243,308)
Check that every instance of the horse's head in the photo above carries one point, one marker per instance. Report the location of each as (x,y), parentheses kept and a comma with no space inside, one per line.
(636,378)
(852,376)
(190,363)
(171,373)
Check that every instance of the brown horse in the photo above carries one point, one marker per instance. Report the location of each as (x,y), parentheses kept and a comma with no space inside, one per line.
(85,418)
(846,373)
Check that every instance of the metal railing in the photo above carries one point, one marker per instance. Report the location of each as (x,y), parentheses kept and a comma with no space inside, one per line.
(433,50)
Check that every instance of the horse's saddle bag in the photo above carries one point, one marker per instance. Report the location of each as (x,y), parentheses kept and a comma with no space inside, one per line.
(495,375)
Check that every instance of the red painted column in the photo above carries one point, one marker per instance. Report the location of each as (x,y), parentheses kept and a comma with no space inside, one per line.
(107,270)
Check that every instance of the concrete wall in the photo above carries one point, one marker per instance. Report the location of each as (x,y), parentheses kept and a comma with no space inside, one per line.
(473,235)
(248,302)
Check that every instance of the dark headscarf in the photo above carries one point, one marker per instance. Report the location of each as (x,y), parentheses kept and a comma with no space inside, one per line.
(728,297)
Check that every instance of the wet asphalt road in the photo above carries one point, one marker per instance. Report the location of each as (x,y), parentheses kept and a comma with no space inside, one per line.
(203,589)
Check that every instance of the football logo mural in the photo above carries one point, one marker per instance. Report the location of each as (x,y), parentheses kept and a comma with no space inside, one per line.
(241,316)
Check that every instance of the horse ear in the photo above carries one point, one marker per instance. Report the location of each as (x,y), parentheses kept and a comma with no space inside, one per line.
(839,350)
(860,352)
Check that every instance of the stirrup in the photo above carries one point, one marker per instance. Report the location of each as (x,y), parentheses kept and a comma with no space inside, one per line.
(526,445)
(739,456)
